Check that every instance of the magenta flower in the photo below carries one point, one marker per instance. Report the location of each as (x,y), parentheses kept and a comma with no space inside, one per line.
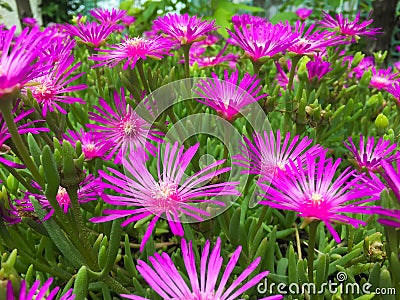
(133,49)
(168,195)
(392,177)
(246,19)
(268,154)
(318,69)
(228,97)
(106,16)
(122,128)
(92,34)
(394,89)
(128,20)
(37,293)
(59,49)
(259,41)
(382,78)
(89,190)
(51,88)
(303,13)
(352,29)
(165,279)
(309,187)
(365,64)
(30,22)
(369,156)
(212,61)
(92,147)
(184,28)
(8,212)
(18,59)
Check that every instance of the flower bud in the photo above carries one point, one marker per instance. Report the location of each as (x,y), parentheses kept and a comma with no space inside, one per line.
(381,122)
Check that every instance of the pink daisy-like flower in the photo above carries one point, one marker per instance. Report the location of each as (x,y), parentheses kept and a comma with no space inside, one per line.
(122,128)
(36,292)
(228,97)
(353,29)
(392,177)
(211,61)
(268,154)
(260,41)
(92,147)
(365,64)
(128,20)
(165,279)
(246,19)
(30,22)
(18,59)
(168,195)
(370,156)
(184,29)
(105,16)
(89,190)
(133,49)
(382,78)
(22,129)
(318,69)
(92,34)
(51,88)
(60,48)
(394,89)
(309,187)
(303,13)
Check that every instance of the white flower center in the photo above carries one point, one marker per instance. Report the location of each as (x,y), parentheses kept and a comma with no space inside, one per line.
(62,196)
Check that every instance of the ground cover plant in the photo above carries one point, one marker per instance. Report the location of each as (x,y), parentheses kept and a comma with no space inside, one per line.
(179,159)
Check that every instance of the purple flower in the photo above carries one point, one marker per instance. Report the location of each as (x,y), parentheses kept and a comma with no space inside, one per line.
(18,59)
(246,19)
(394,89)
(106,16)
(184,29)
(122,128)
(392,177)
(30,22)
(168,195)
(51,88)
(259,41)
(309,187)
(353,29)
(303,13)
(165,279)
(92,34)
(369,156)
(318,69)
(365,64)
(268,154)
(226,96)
(382,78)
(133,49)
(37,293)
(128,20)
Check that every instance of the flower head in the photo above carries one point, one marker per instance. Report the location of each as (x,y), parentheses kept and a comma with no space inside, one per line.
(106,16)
(352,29)
(309,187)
(184,29)
(128,20)
(382,78)
(133,49)
(303,13)
(260,41)
(228,97)
(37,293)
(246,19)
(30,22)
(92,34)
(50,89)
(369,156)
(392,177)
(318,69)
(164,278)
(121,128)
(169,194)
(365,64)
(394,89)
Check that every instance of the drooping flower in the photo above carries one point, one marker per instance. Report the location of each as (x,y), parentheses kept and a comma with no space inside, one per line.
(122,128)
(36,292)
(228,97)
(106,16)
(369,156)
(50,89)
(318,69)
(133,49)
(268,154)
(169,195)
(89,190)
(259,41)
(164,278)
(18,59)
(309,187)
(92,147)
(246,19)
(92,34)
(184,29)
(352,29)
(303,13)
(382,78)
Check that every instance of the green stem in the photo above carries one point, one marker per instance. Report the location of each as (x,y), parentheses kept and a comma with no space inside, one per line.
(256,67)
(262,216)
(186,49)
(115,285)
(311,245)
(6,109)
(295,60)
(142,75)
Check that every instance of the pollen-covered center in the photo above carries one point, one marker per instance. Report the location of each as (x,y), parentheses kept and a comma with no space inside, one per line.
(43,92)
(130,127)
(203,296)
(316,199)
(165,194)
(379,81)
(89,149)
(62,196)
